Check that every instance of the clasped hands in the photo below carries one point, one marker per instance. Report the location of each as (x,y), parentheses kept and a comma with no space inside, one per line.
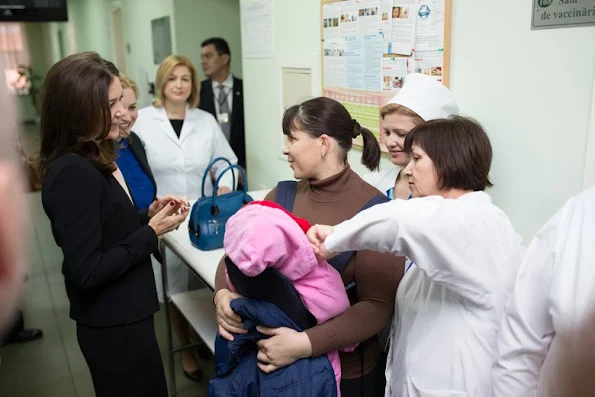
(283,346)
(166,213)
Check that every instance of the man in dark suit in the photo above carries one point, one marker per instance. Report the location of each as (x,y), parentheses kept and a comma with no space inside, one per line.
(221,94)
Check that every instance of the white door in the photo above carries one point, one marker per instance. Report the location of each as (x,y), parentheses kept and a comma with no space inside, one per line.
(118,44)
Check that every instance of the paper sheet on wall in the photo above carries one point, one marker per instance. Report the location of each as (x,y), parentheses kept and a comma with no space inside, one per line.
(354,62)
(257,29)
(385,9)
(334,63)
(394,71)
(430,63)
(330,21)
(430,26)
(404,17)
(373,48)
(348,19)
(368,18)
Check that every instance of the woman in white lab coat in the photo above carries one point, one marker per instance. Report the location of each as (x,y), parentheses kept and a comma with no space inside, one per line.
(552,299)
(180,141)
(422,98)
(465,256)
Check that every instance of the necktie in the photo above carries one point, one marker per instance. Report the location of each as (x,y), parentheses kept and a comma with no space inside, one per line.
(224,108)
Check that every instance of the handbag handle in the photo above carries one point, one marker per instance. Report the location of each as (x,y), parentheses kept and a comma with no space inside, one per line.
(231,168)
(207,172)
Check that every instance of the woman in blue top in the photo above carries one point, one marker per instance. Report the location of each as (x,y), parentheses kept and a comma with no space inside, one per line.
(132,159)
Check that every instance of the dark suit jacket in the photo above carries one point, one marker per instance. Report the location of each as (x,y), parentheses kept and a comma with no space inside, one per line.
(237,139)
(106,244)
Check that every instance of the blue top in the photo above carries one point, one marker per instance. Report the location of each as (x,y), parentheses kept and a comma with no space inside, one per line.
(139,183)
(390,193)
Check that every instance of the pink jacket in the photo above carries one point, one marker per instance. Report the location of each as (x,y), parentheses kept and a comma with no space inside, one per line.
(259,236)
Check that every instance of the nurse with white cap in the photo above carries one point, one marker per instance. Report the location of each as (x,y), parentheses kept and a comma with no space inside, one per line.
(422,98)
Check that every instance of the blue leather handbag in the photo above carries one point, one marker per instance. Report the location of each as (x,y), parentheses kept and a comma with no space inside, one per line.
(209,215)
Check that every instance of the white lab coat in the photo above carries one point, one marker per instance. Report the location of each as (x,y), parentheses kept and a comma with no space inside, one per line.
(383,180)
(553,293)
(450,302)
(178,165)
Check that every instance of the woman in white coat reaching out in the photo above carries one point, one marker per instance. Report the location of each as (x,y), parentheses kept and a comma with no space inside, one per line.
(180,141)
(465,255)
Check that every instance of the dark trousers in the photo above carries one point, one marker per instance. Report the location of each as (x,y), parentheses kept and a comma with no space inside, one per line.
(360,387)
(124,360)
(17,325)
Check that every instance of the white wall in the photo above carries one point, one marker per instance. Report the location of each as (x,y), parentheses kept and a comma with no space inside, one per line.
(137,16)
(530,89)
(196,21)
(589,179)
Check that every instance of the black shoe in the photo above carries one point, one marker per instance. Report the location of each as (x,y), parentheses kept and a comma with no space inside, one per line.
(195,375)
(24,335)
(203,352)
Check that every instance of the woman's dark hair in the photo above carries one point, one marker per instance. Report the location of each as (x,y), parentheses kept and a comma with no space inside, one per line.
(75,111)
(323,115)
(460,149)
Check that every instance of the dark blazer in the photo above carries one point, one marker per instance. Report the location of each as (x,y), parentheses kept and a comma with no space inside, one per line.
(237,139)
(106,244)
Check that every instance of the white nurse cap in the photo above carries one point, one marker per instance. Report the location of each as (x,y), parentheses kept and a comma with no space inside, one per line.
(426,97)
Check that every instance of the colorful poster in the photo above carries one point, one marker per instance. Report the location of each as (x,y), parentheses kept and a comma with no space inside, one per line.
(369,47)
(335,74)
(373,49)
(385,24)
(331,14)
(430,63)
(394,71)
(430,26)
(368,18)
(348,18)
(404,17)
(363,106)
(354,61)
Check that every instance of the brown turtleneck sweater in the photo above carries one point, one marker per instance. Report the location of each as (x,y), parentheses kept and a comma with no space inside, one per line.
(329,202)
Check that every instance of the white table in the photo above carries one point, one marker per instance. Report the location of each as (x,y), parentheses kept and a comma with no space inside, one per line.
(196,306)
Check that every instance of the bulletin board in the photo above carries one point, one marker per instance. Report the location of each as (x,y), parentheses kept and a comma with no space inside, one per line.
(369,46)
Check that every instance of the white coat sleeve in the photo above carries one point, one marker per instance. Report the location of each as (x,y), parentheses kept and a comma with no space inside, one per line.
(441,236)
(527,327)
(552,296)
(221,148)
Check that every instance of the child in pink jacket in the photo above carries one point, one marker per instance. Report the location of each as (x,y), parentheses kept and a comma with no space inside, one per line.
(262,234)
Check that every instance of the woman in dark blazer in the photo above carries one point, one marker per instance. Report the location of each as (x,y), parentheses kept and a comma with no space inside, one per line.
(106,243)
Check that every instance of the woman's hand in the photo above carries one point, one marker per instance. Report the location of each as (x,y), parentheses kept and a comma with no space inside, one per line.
(284,347)
(161,202)
(317,235)
(169,218)
(223,190)
(226,318)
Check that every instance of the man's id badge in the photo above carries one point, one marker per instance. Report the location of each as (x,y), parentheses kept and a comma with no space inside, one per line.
(223,118)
